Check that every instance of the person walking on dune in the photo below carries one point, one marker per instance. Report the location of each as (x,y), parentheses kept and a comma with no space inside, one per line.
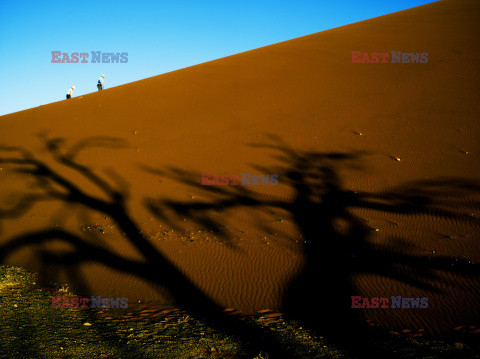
(69,93)
(100,83)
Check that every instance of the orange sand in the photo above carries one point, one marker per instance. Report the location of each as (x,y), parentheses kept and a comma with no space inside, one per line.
(295,109)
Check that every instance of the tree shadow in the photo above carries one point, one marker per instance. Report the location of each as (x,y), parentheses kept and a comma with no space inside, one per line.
(53,184)
(321,295)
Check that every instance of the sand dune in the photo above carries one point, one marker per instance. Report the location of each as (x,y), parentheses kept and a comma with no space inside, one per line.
(104,191)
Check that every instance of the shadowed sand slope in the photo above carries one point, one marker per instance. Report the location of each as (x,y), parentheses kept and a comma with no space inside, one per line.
(103,191)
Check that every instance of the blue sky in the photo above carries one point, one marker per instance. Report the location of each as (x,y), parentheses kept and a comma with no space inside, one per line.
(159,36)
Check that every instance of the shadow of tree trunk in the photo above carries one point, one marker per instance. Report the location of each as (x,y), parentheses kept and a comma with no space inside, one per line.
(320,296)
(154,266)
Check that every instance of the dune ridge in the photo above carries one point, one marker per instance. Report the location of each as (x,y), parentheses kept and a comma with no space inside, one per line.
(346,216)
